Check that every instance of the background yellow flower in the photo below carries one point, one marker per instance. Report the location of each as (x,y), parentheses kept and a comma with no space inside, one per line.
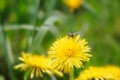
(96,73)
(73,4)
(69,52)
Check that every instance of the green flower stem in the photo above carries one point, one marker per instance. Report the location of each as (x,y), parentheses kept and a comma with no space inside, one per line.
(71,74)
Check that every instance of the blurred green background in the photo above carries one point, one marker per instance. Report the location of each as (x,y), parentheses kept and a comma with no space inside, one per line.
(32,25)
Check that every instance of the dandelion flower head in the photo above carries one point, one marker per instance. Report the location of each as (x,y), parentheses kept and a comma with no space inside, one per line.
(38,64)
(69,52)
(100,73)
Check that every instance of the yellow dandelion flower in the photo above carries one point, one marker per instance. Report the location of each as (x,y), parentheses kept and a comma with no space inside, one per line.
(100,73)
(38,65)
(69,52)
(114,71)
(73,4)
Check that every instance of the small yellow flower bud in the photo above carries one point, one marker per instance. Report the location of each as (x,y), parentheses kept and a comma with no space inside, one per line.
(73,4)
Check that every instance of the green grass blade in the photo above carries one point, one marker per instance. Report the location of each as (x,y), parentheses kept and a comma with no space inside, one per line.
(38,39)
(91,10)
(6,55)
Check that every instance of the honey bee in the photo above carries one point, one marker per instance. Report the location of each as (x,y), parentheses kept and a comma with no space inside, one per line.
(73,35)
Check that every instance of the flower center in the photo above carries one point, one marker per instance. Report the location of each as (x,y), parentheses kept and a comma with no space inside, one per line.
(100,79)
(69,53)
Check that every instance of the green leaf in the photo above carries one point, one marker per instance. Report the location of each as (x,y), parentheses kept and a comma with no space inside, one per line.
(90,9)
(2,77)
(38,38)
(26,74)
(5,51)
